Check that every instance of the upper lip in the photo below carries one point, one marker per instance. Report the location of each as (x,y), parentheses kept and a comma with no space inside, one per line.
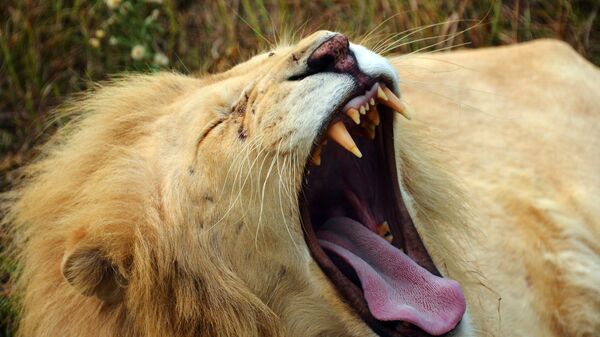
(357,108)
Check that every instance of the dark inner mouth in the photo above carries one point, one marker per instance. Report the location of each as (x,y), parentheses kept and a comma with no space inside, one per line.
(360,233)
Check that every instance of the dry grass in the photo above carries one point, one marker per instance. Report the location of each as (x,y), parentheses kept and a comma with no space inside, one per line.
(52,48)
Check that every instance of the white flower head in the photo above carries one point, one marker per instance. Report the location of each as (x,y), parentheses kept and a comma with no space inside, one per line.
(155,1)
(112,4)
(94,42)
(113,41)
(161,59)
(138,52)
(100,33)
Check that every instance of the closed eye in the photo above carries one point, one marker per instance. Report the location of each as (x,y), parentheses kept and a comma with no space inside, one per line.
(301,76)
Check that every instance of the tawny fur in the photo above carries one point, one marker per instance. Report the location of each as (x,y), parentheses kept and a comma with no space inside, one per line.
(521,127)
(185,190)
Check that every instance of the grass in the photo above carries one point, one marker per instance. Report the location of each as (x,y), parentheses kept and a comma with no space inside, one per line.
(52,48)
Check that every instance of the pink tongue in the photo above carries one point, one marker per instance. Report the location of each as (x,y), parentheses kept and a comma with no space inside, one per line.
(394,286)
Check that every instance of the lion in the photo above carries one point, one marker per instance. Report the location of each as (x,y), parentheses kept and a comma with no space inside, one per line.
(302,193)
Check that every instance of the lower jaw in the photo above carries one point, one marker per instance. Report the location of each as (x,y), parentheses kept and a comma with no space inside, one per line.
(349,290)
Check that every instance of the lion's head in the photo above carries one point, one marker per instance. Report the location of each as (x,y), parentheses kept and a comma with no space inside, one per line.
(178,206)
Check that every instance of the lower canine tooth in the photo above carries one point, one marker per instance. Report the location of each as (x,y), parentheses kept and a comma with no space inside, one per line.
(384,231)
(395,103)
(339,134)
(354,115)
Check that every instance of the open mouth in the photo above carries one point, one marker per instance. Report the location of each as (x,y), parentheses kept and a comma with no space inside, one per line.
(358,229)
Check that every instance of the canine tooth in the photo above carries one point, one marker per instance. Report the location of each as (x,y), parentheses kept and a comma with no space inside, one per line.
(395,103)
(362,110)
(373,116)
(383,228)
(316,156)
(339,134)
(372,101)
(384,231)
(354,115)
(380,94)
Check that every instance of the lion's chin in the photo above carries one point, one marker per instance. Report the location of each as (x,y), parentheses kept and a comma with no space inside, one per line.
(360,233)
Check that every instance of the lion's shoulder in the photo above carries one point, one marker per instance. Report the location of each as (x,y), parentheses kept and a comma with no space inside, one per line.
(520,124)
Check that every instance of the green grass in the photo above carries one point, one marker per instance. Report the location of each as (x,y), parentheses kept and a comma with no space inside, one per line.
(52,48)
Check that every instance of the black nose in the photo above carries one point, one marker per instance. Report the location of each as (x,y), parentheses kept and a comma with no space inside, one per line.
(332,55)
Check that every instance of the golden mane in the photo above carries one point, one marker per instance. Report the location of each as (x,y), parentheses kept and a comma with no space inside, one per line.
(66,191)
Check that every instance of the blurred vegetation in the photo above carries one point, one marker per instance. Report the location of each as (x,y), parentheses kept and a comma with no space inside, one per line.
(52,48)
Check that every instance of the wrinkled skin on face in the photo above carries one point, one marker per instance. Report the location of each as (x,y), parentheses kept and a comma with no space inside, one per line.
(170,207)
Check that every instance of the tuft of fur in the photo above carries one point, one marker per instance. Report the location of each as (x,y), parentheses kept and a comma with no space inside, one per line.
(92,187)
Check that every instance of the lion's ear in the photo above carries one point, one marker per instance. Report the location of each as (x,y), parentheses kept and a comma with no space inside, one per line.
(92,273)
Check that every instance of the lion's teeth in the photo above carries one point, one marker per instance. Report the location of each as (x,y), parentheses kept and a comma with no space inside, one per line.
(380,94)
(395,103)
(372,101)
(354,115)
(316,156)
(367,106)
(339,134)
(362,110)
(373,116)
(384,231)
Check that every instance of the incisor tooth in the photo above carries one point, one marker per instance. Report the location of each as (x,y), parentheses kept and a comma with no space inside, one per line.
(367,106)
(339,134)
(372,101)
(373,116)
(395,103)
(354,115)
(362,110)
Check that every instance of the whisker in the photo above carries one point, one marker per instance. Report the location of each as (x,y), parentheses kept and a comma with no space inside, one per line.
(262,200)
(364,40)
(411,31)
(396,46)
(282,181)
(247,149)
(438,50)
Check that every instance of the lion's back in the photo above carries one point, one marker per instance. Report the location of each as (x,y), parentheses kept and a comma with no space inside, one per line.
(521,125)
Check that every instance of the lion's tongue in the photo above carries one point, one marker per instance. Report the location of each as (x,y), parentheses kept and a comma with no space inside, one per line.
(394,286)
